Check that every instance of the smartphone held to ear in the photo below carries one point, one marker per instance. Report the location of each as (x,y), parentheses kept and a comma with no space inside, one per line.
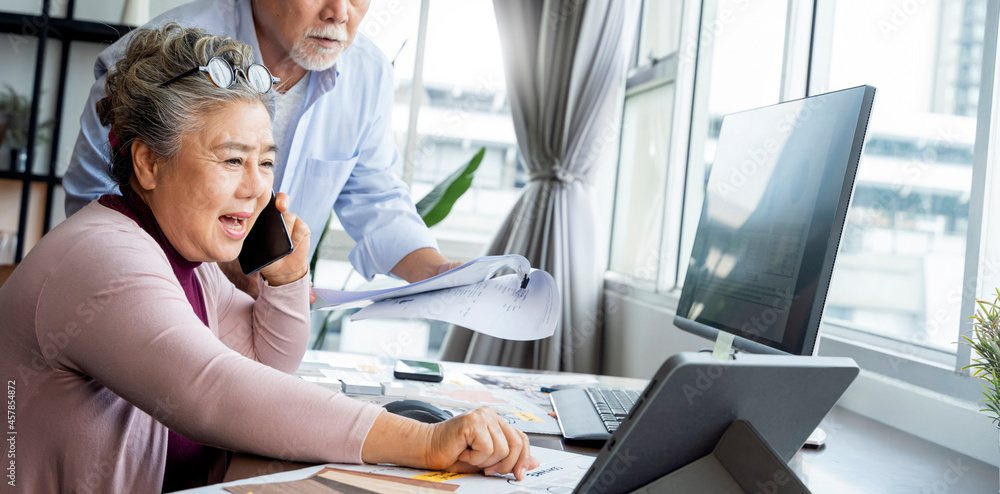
(266,242)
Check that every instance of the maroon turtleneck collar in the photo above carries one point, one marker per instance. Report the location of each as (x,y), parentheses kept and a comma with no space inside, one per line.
(131,205)
(188,462)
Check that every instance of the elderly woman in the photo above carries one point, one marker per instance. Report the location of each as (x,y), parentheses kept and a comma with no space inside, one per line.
(135,362)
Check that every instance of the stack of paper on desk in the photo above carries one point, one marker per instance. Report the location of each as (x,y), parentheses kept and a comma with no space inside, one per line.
(519,401)
(559,472)
(522,306)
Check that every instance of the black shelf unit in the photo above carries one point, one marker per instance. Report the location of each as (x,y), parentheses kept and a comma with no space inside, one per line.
(45,27)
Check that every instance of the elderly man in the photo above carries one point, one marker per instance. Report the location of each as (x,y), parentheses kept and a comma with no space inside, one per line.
(331,126)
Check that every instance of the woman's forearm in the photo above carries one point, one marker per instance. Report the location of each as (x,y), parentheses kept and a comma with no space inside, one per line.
(397,440)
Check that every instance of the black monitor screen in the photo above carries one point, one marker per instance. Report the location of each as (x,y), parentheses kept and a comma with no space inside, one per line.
(771,222)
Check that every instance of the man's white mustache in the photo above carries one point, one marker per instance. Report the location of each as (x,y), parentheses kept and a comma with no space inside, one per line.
(338,33)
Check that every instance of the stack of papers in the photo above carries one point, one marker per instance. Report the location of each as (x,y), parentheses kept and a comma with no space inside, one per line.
(523,306)
(559,472)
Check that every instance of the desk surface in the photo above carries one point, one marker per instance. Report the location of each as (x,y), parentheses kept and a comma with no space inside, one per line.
(861,455)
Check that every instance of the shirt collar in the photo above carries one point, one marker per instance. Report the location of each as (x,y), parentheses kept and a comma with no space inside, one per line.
(131,205)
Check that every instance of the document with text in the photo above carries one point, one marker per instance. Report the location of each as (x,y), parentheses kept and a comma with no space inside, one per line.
(520,306)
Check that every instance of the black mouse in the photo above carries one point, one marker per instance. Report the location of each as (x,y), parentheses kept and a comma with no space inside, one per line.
(418,410)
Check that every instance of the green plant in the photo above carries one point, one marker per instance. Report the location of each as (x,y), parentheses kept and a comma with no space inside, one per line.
(436,205)
(985,344)
(15,114)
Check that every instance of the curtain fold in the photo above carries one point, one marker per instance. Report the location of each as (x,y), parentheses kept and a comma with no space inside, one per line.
(563,60)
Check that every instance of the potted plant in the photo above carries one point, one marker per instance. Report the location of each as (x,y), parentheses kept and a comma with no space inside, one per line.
(985,344)
(15,115)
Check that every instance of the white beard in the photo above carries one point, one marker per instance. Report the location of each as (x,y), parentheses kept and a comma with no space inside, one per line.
(310,56)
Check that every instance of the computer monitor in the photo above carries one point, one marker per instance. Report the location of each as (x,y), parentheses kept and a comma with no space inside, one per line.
(772,219)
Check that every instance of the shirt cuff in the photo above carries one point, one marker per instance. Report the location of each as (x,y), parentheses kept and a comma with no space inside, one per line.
(363,422)
(380,251)
(287,288)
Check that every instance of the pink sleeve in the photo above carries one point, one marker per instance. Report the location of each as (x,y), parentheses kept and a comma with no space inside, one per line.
(121,317)
(273,330)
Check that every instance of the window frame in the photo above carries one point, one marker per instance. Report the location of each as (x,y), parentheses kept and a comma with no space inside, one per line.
(808,37)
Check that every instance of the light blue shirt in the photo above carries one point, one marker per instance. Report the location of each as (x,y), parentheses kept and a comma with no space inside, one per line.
(338,156)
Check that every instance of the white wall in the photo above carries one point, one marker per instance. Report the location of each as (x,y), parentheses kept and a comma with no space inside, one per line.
(639,335)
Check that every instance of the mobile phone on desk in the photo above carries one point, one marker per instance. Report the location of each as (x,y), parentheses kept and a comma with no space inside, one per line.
(266,242)
(418,371)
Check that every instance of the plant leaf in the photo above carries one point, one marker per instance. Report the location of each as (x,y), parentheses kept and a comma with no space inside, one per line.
(985,361)
(436,205)
(315,258)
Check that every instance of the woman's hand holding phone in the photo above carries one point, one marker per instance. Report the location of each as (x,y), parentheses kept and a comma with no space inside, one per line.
(295,265)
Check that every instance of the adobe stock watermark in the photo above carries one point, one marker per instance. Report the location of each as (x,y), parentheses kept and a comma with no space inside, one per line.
(899,14)
(774,484)
(620,464)
(590,327)
(940,319)
(288,454)
(862,219)
(713,30)
(104,468)
(951,474)
(754,328)
(378,21)
(99,471)
(558,12)
(912,169)
(32,25)
(704,380)
(404,339)
(56,341)
(11,433)
(768,149)
(780,305)
(487,88)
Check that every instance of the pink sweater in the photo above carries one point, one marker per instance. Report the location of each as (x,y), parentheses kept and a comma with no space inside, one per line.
(105,353)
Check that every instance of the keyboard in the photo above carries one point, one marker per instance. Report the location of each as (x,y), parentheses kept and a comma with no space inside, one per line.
(591,413)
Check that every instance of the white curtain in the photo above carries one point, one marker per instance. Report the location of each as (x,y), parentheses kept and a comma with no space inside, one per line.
(564,62)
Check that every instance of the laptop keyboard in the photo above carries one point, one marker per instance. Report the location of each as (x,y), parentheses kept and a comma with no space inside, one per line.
(613,405)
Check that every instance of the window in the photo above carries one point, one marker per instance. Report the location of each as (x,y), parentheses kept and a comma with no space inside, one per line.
(659,33)
(463,107)
(919,239)
(743,48)
(736,48)
(638,216)
(443,116)
(647,128)
(450,101)
(900,270)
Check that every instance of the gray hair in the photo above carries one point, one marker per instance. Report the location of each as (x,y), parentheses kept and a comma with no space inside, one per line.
(139,109)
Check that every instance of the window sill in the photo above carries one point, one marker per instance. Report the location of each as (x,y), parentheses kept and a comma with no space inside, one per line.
(923,398)
(928,374)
